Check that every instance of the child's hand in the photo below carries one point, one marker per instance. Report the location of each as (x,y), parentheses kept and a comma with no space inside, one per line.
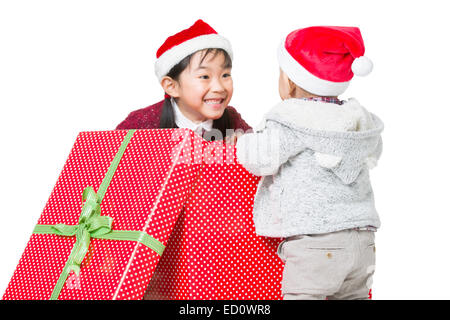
(233,138)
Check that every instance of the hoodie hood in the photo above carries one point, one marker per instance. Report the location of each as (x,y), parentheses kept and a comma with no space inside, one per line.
(344,138)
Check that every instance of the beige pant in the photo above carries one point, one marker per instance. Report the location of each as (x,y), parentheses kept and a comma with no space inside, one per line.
(336,265)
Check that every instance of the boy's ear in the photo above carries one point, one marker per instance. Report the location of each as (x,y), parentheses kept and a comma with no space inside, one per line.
(292,88)
(170,86)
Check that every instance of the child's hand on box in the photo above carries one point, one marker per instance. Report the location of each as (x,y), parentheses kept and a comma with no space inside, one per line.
(233,138)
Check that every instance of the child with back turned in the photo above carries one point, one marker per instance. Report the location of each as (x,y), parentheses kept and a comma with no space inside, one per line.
(314,152)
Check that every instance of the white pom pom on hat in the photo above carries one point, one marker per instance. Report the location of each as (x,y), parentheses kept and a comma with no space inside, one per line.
(362,66)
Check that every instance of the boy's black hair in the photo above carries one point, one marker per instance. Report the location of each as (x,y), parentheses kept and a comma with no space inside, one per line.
(168,115)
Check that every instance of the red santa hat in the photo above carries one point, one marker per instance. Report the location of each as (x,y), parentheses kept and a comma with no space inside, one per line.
(323,60)
(197,37)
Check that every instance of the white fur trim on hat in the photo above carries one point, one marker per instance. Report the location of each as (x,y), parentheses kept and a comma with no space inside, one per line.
(306,80)
(174,55)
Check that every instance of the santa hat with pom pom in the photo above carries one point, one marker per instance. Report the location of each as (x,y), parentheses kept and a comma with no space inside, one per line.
(323,60)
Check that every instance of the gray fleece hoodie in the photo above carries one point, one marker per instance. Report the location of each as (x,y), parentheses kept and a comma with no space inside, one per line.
(315,158)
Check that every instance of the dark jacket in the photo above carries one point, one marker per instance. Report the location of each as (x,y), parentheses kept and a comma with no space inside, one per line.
(149,118)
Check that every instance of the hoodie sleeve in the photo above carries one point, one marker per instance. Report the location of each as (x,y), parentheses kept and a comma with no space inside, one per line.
(372,160)
(263,152)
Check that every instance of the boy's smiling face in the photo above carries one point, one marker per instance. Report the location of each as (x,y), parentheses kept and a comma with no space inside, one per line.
(204,88)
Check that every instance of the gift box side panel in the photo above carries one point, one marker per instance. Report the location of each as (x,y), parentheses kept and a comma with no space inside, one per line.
(231,261)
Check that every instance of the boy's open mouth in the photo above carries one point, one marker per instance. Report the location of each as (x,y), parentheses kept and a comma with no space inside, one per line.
(214,101)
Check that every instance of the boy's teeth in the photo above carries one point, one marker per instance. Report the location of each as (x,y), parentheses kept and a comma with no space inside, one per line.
(213,101)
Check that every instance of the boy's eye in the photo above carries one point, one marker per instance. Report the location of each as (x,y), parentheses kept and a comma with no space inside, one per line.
(204,77)
(226,75)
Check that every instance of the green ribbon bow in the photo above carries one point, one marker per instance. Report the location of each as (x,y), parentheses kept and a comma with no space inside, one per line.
(93,225)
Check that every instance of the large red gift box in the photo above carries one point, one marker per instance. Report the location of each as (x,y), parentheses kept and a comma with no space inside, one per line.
(76,251)
(213,251)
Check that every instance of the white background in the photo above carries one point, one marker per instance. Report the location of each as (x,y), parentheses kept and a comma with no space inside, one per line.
(71,66)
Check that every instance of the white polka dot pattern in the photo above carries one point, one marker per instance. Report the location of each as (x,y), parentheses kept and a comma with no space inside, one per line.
(213,251)
(147,193)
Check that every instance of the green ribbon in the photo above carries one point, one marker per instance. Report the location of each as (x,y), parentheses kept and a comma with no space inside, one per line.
(92,224)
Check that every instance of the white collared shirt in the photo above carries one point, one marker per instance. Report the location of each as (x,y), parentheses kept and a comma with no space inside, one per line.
(183,122)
